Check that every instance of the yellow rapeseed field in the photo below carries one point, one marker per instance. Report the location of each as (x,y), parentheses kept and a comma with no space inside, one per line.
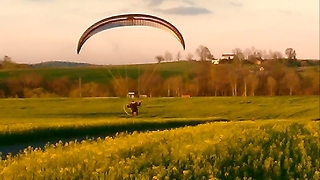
(238,150)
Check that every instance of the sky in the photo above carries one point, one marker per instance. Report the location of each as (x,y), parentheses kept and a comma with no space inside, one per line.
(33,31)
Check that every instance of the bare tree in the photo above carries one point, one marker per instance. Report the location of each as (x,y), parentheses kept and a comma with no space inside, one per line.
(174,84)
(264,54)
(159,58)
(291,54)
(271,85)
(219,79)
(151,82)
(238,52)
(277,55)
(15,86)
(253,82)
(32,80)
(291,81)
(233,78)
(167,56)
(247,53)
(120,86)
(204,53)
(178,56)
(245,72)
(245,86)
(61,86)
(192,88)
(189,57)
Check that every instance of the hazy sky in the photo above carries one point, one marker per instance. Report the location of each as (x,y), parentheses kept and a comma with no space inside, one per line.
(33,31)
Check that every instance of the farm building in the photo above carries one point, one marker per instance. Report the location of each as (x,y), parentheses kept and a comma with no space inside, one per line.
(224,56)
(227,56)
(131,94)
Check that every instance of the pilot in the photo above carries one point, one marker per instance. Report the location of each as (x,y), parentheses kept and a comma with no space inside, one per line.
(134,107)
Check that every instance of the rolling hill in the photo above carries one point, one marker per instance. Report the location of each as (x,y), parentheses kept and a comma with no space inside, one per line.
(99,73)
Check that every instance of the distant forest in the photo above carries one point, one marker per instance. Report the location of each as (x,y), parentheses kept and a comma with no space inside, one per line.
(249,73)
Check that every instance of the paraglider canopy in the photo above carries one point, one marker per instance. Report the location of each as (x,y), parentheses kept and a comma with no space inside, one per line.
(129,20)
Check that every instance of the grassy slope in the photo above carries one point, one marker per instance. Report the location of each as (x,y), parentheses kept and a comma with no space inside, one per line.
(25,120)
(101,74)
(233,108)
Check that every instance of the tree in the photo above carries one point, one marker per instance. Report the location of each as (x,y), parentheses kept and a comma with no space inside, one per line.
(189,57)
(271,85)
(204,53)
(238,52)
(291,54)
(119,86)
(253,81)
(15,87)
(192,88)
(32,80)
(233,81)
(247,53)
(150,82)
(216,82)
(244,73)
(274,55)
(159,58)
(178,56)
(7,63)
(174,84)
(167,56)
(239,57)
(61,86)
(203,76)
(245,86)
(264,54)
(291,81)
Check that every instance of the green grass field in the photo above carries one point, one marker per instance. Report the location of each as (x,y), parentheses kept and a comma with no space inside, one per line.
(269,137)
(232,108)
(27,120)
(103,74)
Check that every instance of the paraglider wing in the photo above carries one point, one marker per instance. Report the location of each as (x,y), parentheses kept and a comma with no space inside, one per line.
(129,20)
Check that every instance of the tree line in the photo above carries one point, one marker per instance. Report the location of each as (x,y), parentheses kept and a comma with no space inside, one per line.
(242,76)
(205,80)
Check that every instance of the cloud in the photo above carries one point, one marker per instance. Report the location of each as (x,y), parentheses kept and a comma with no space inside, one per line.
(185,10)
(154,2)
(189,2)
(236,4)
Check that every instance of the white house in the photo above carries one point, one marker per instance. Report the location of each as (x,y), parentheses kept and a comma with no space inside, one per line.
(131,94)
(224,56)
(215,61)
(227,56)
